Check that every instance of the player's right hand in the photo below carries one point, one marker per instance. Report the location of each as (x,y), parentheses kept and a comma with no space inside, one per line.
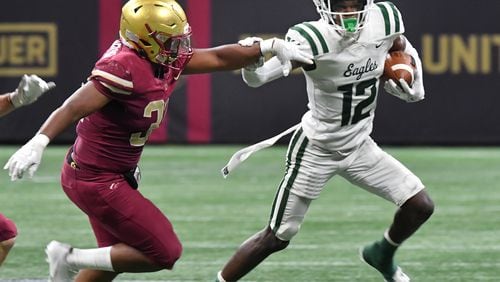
(286,52)
(27,158)
(30,88)
(405,92)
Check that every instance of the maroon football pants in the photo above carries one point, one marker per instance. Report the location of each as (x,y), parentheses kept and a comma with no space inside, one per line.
(120,214)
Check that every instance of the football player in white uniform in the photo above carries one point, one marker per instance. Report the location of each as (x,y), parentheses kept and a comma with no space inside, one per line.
(349,44)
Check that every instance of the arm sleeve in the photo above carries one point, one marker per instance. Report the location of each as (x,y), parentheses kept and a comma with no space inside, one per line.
(271,70)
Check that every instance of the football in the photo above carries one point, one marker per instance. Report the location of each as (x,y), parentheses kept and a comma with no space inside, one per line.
(399,65)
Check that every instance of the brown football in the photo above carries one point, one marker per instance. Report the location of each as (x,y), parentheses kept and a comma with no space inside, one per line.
(399,65)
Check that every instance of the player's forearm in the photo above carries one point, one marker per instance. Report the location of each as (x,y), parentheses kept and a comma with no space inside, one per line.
(5,104)
(233,57)
(86,100)
(58,121)
(222,58)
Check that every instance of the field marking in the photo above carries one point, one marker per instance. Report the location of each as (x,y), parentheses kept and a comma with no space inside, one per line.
(210,245)
(349,263)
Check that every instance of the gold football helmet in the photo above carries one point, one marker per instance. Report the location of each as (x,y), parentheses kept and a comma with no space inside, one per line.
(157,29)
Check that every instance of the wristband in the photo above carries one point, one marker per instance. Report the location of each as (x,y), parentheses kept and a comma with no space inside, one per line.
(41,139)
(266,46)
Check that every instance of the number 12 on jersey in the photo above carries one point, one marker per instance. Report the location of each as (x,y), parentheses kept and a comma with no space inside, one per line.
(357,89)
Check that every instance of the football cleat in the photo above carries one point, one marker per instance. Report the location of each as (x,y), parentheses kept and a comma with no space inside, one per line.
(391,272)
(59,269)
(399,276)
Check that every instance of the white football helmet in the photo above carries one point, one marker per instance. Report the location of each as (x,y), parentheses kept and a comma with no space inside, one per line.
(345,21)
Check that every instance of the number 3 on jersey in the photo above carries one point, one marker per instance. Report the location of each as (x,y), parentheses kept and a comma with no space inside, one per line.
(139,138)
(357,89)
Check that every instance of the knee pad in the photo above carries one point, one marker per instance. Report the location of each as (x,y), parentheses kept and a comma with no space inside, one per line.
(287,231)
(287,225)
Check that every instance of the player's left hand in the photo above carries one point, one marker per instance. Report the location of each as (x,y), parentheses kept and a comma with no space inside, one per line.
(27,158)
(405,92)
(30,88)
(286,52)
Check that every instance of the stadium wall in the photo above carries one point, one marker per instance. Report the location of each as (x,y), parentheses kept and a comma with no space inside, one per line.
(60,40)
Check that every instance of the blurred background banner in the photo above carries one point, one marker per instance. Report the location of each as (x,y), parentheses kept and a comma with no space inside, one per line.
(61,40)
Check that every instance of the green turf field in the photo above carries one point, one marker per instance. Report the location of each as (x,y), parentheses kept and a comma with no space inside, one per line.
(212,216)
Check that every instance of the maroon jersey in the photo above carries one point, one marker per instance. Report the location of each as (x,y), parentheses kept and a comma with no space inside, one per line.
(112,138)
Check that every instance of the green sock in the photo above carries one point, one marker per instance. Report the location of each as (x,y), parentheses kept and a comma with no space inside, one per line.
(387,248)
(380,255)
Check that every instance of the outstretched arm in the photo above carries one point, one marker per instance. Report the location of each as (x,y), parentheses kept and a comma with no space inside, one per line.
(222,58)
(236,56)
(83,102)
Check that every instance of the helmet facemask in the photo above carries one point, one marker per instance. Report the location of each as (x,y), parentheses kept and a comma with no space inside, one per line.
(172,48)
(346,22)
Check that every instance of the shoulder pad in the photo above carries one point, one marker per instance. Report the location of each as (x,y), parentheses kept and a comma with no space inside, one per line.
(391,17)
(114,75)
(312,34)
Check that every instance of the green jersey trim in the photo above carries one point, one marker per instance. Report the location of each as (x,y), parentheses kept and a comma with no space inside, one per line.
(309,39)
(395,12)
(313,37)
(293,175)
(392,24)
(319,36)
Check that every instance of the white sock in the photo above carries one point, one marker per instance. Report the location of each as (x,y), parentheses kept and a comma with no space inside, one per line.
(99,259)
(219,277)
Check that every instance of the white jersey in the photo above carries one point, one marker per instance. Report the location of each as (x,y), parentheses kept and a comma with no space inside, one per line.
(342,85)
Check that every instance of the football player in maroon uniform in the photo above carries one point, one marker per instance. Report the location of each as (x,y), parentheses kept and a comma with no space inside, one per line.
(123,101)
(30,88)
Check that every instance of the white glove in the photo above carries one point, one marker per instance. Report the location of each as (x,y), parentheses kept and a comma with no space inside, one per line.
(248,42)
(409,94)
(30,88)
(27,158)
(285,52)
(405,92)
